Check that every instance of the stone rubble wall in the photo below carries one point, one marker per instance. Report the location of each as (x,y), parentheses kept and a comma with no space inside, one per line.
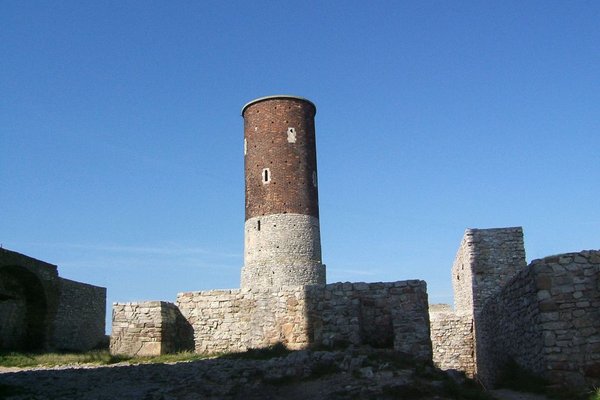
(41,311)
(149,328)
(237,320)
(548,320)
(486,260)
(462,275)
(79,323)
(390,315)
(452,341)
(508,328)
(291,240)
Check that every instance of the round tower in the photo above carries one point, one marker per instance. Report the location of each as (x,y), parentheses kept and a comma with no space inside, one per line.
(282,242)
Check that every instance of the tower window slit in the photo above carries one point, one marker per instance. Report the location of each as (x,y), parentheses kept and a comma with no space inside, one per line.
(266,175)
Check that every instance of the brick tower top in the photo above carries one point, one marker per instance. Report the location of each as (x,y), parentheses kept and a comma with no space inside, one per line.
(280,162)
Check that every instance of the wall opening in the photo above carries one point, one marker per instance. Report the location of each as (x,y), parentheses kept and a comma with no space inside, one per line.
(376,327)
(23,310)
(291,135)
(266,175)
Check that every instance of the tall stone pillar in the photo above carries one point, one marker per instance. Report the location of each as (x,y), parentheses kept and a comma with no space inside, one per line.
(282,243)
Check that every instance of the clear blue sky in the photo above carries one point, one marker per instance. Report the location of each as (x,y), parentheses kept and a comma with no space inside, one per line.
(121,141)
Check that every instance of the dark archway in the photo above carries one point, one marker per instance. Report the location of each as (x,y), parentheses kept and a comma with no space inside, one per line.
(23,309)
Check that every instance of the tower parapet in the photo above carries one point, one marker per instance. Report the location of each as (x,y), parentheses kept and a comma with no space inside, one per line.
(282,243)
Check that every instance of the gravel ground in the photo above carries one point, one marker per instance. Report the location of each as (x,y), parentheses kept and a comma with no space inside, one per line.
(301,375)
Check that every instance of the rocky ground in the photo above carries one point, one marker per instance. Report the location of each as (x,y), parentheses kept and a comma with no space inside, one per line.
(349,374)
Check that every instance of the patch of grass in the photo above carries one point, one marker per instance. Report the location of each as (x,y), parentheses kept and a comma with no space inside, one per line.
(595,395)
(94,357)
(14,359)
(168,358)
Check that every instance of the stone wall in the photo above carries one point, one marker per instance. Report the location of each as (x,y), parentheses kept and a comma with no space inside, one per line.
(282,250)
(452,341)
(149,328)
(486,260)
(237,320)
(392,315)
(41,311)
(79,324)
(548,320)
(509,329)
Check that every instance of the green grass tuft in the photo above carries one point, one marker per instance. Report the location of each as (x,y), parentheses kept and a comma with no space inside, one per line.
(95,357)
(22,360)
(184,356)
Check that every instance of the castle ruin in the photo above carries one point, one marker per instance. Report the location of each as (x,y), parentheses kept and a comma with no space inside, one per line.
(283,296)
(543,317)
(41,311)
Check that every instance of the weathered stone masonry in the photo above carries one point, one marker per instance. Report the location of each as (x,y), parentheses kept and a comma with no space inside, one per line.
(452,339)
(40,310)
(149,328)
(485,261)
(80,319)
(545,317)
(392,315)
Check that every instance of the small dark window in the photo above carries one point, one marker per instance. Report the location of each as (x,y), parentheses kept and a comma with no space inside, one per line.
(266,175)
(258,225)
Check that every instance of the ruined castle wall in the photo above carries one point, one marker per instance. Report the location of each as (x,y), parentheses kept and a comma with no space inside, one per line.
(462,275)
(486,260)
(568,292)
(548,320)
(389,314)
(382,314)
(237,320)
(508,328)
(149,328)
(79,323)
(452,341)
(39,310)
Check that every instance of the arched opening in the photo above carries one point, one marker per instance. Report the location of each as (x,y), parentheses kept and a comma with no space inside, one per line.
(23,309)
